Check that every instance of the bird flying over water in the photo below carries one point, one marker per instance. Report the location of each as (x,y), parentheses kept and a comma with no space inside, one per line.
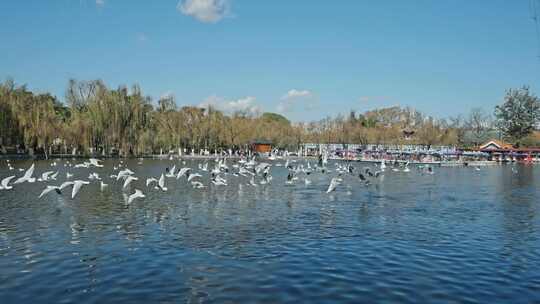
(161,183)
(192,176)
(170,173)
(150,180)
(128,180)
(197,185)
(4,184)
(77,186)
(124,174)
(27,177)
(138,194)
(333,184)
(50,189)
(182,172)
(95,162)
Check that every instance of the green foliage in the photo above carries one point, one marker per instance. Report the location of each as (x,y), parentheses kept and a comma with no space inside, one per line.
(274,117)
(519,114)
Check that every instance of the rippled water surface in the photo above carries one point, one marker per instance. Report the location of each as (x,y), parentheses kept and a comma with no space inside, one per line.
(459,235)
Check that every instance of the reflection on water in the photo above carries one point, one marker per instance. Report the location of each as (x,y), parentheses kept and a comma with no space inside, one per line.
(459,235)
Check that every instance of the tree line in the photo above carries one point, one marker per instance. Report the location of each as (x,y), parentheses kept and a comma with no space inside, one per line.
(96,119)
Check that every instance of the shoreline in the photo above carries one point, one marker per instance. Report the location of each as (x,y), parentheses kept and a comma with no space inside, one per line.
(475,163)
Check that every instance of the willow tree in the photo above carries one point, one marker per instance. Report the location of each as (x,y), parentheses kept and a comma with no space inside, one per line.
(9,125)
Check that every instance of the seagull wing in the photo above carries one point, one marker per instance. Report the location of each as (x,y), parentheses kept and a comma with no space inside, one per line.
(77,186)
(161,182)
(65,184)
(333,184)
(182,172)
(129,179)
(95,162)
(45,175)
(47,190)
(192,176)
(138,194)
(27,175)
(150,180)
(5,182)
(29,172)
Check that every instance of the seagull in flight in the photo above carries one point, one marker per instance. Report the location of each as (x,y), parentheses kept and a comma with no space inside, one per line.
(333,184)
(182,172)
(27,177)
(197,185)
(77,186)
(138,194)
(219,181)
(4,184)
(95,162)
(150,180)
(124,174)
(161,183)
(128,180)
(50,189)
(45,176)
(192,176)
(171,172)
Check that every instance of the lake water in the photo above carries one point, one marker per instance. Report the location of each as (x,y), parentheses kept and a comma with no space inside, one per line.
(457,236)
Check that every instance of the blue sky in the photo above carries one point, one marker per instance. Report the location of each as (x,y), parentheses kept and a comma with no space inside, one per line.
(305,58)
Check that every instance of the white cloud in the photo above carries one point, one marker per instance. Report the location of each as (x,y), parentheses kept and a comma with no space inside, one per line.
(293,97)
(246,104)
(209,11)
(100,2)
(296,93)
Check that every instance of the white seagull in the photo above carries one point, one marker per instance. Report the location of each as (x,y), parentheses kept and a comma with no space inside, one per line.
(124,174)
(95,162)
(4,184)
(45,176)
(161,183)
(129,179)
(49,189)
(77,186)
(27,177)
(197,185)
(138,194)
(182,172)
(192,176)
(333,184)
(150,181)
(171,172)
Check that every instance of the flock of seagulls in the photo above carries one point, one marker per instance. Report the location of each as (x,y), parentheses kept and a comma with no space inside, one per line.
(249,172)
